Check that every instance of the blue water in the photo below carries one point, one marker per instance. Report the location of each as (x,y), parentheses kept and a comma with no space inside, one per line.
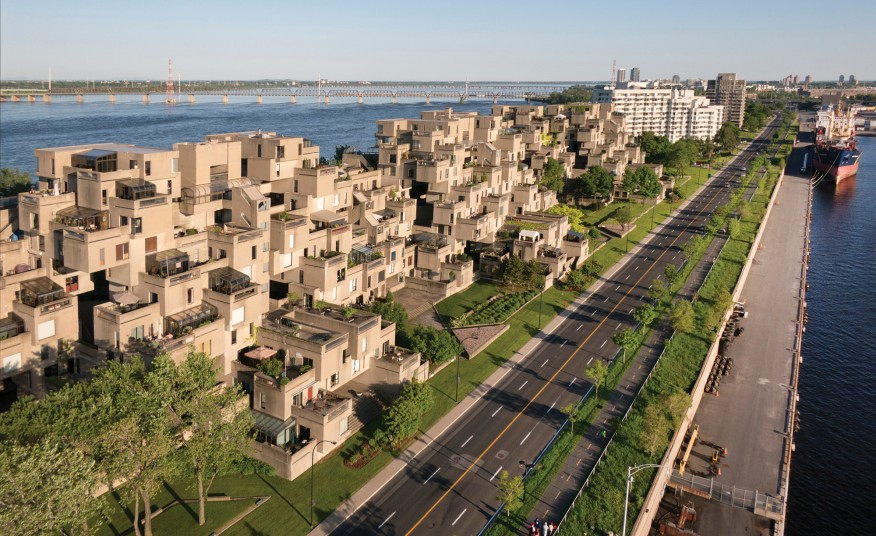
(27,126)
(832,476)
(832,473)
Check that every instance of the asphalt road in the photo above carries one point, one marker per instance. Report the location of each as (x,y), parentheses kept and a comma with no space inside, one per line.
(450,488)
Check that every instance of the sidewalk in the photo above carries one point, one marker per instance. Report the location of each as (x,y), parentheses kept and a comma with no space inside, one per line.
(373,486)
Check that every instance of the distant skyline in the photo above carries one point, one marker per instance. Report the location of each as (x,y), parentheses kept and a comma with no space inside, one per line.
(453,40)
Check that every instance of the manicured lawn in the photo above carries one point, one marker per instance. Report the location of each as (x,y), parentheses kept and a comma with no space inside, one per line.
(179,518)
(461,302)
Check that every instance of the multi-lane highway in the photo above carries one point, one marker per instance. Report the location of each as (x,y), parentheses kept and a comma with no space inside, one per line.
(451,487)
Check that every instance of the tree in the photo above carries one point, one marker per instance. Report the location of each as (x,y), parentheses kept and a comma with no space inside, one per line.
(650,186)
(597,373)
(403,417)
(573,412)
(656,148)
(734,228)
(723,300)
(623,216)
(712,319)
(14,182)
(594,233)
(626,340)
(517,273)
(339,154)
(574,215)
(552,177)
(646,314)
(510,491)
(214,428)
(271,367)
(727,136)
(45,489)
(672,274)
(392,311)
(683,154)
(681,316)
(591,268)
(658,290)
(655,427)
(744,209)
(692,248)
(595,181)
(436,345)
(577,279)
(676,405)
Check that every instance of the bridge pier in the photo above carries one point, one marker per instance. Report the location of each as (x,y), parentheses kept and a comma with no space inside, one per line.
(292,99)
(224,99)
(259,99)
(428,99)
(462,99)
(326,99)
(394,98)
(495,99)
(80,99)
(145,98)
(112,98)
(360,99)
(2,98)
(47,98)
(191,98)
(31,98)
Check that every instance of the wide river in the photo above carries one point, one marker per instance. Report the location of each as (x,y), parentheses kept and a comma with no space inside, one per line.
(832,475)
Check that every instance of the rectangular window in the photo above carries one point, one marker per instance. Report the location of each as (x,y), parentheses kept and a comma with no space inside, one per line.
(254,252)
(263,401)
(170,186)
(291,241)
(233,336)
(190,295)
(122,252)
(152,244)
(259,150)
(148,168)
(123,220)
(357,365)
(46,330)
(237,316)
(353,284)
(174,165)
(364,344)
(295,186)
(136,225)
(281,152)
(103,198)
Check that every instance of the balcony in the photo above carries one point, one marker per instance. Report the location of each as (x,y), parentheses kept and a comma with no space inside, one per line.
(185,322)
(324,409)
(229,233)
(43,293)
(83,219)
(11,326)
(168,263)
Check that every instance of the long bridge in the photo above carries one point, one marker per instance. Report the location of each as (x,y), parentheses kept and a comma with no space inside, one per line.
(321,93)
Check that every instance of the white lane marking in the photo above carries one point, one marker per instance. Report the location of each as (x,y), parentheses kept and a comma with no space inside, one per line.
(594,311)
(466,441)
(573,381)
(618,326)
(387,519)
(651,285)
(617,288)
(631,310)
(579,327)
(591,361)
(524,383)
(495,412)
(627,277)
(525,438)
(552,406)
(460,515)
(603,343)
(606,299)
(564,343)
(433,474)
(496,473)
(543,364)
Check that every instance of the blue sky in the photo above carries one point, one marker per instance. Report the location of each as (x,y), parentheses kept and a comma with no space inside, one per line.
(444,40)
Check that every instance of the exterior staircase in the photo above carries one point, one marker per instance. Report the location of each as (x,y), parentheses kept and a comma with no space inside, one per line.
(365,407)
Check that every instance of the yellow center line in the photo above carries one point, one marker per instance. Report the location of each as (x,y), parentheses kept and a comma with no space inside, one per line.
(552,378)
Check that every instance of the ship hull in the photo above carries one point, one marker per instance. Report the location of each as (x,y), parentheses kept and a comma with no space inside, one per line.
(837,173)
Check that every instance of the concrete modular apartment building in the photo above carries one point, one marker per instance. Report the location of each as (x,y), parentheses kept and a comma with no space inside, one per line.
(127,250)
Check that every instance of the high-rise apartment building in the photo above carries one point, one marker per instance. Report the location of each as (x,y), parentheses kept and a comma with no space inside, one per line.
(852,80)
(634,74)
(728,91)
(674,113)
(842,78)
(621,76)
(808,79)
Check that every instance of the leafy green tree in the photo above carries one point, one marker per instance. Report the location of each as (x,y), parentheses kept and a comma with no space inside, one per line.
(594,233)
(658,290)
(681,316)
(656,148)
(693,247)
(14,182)
(624,216)
(402,420)
(595,181)
(655,428)
(712,319)
(553,173)
(734,228)
(45,489)
(671,274)
(723,300)
(676,405)
(744,209)
(214,428)
(681,156)
(271,367)
(436,345)
(572,94)
(597,373)
(648,183)
(510,491)
(646,314)
(728,136)
(576,279)
(626,340)
(519,274)
(591,268)
(574,412)
(420,395)
(392,311)
(574,215)
(339,154)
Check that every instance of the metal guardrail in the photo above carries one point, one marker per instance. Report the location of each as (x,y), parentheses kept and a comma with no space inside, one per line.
(753,501)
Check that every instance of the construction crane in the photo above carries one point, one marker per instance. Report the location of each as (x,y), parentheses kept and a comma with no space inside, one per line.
(170,95)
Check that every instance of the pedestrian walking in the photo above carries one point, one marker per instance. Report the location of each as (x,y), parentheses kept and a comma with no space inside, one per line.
(553,527)
(603,434)
(544,529)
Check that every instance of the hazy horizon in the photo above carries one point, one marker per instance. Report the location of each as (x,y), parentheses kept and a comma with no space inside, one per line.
(455,41)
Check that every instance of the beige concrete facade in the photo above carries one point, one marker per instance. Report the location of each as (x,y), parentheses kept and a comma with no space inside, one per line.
(728,91)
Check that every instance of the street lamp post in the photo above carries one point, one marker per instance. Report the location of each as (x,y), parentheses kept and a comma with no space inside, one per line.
(312,452)
(630,472)
(458,359)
